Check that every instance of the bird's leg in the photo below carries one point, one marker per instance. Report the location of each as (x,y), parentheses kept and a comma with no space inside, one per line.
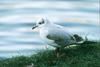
(57,51)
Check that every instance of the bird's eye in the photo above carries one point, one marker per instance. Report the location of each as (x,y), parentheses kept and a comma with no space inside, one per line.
(41,22)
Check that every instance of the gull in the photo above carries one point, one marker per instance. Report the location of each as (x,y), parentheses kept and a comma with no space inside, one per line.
(54,34)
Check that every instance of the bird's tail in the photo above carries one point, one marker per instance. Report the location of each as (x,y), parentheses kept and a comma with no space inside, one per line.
(80,40)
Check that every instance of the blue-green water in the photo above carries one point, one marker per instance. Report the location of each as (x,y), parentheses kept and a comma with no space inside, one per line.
(18,16)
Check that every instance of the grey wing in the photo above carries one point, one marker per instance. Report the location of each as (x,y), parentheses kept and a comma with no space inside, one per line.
(61,38)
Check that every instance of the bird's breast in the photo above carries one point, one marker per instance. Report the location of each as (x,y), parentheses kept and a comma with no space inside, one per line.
(43,35)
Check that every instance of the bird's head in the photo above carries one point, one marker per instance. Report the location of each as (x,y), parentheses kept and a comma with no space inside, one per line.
(40,23)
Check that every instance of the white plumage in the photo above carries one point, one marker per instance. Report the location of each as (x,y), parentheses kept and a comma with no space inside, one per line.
(54,34)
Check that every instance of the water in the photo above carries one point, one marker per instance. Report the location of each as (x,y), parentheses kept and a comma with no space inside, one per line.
(17,18)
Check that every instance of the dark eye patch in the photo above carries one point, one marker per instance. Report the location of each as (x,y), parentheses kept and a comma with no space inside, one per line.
(41,22)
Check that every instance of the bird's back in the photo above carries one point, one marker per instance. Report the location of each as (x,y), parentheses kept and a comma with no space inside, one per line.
(56,35)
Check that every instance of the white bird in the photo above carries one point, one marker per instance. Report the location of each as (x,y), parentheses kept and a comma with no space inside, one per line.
(54,34)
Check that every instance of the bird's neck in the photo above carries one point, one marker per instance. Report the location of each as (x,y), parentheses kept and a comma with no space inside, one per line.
(47,26)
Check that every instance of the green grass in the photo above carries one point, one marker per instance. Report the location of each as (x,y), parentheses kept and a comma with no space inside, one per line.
(78,56)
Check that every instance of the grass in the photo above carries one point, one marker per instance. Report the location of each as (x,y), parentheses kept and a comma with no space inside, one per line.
(87,55)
